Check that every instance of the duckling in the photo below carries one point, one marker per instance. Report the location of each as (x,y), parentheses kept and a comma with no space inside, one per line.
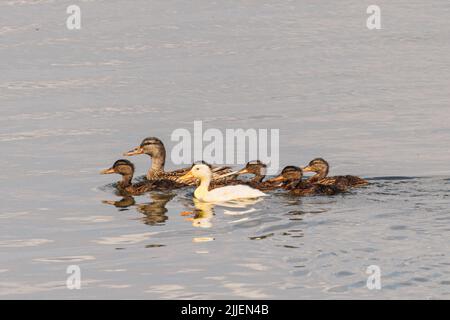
(256,168)
(202,171)
(126,169)
(154,147)
(291,179)
(252,167)
(321,168)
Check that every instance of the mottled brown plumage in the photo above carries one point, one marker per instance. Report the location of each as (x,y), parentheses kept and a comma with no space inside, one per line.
(290,179)
(154,148)
(321,168)
(255,168)
(126,169)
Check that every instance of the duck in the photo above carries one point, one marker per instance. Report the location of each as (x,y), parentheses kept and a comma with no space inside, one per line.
(126,169)
(154,148)
(321,168)
(290,179)
(255,168)
(203,172)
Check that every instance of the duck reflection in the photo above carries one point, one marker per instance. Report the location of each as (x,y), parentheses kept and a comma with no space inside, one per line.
(125,202)
(201,215)
(204,211)
(155,211)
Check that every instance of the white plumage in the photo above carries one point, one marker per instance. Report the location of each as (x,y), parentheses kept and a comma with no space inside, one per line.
(229,193)
(223,194)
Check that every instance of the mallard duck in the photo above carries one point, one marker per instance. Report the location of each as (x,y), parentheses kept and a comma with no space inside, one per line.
(253,167)
(126,169)
(203,172)
(321,168)
(256,168)
(291,179)
(154,147)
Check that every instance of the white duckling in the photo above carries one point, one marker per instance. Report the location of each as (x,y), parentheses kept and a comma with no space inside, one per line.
(223,194)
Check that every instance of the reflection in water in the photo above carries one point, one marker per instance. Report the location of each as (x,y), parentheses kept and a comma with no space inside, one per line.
(123,203)
(155,212)
(203,239)
(294,233)
(202,214)
(204,211)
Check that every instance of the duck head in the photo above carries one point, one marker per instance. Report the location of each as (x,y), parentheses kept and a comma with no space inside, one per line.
(151,146)
(319,166)
(123,167)
(200,171)
(257,168)
(288,175)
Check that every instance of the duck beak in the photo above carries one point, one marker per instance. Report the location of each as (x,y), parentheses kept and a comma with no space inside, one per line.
(280,178)
(107,171)
(243,171)
(187,177)
(135,151)
(307,169)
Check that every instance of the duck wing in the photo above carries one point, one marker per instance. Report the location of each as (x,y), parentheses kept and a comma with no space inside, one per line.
(154,185)
(344,181)
(235,192)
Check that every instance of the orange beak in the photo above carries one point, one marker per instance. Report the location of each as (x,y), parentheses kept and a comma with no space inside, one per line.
(280,178)
(243,171)
(307,169)
(187,177)
(107,171)
(135,151)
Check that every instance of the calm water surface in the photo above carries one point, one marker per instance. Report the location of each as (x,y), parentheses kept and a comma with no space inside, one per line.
(374,103)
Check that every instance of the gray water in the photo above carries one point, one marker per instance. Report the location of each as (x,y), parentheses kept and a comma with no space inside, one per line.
(374,103)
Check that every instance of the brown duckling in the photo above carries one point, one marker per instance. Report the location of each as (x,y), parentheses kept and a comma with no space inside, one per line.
(321,168)
(154,147)
(291,179)
(255,168)
(126,169)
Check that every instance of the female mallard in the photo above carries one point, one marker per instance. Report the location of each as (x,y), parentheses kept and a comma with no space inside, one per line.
(321,168)
(126,169)
(291,179)
(155,149)
(203,172)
